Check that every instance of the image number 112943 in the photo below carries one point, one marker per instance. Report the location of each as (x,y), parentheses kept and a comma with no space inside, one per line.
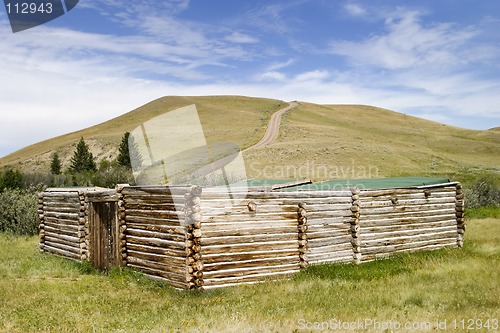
(24,14)
(29,8)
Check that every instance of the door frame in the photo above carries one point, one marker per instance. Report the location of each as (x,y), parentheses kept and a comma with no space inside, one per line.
(104,242)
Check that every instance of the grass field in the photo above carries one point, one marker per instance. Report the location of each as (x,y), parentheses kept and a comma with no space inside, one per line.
(41,292)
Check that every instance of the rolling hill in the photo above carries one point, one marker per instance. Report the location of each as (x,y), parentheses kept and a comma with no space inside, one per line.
(315,141)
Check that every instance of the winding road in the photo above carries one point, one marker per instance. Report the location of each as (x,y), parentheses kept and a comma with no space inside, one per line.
(273,128)
(271,134)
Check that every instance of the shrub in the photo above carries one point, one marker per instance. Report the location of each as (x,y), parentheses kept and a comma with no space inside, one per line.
(484,192)
(11,179)
(18,211)
(111,173)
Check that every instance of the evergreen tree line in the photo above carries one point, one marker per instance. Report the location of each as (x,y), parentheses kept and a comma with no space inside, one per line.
(18,191)
(83,170)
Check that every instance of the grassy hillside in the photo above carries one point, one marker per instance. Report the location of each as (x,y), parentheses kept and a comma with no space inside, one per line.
(315,141)
(237,119)
(356,141)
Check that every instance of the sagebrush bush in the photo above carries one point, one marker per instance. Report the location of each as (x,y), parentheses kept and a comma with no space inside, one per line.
(18,211)
(484,192)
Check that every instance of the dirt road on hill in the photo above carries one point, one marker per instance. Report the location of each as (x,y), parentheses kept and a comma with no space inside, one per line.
(273,128)
(271,134)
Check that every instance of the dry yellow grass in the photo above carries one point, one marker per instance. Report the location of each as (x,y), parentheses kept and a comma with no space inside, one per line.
(315,141)
(356,141)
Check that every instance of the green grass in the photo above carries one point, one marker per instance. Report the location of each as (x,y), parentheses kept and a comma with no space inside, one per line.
(483,212)
(41,292)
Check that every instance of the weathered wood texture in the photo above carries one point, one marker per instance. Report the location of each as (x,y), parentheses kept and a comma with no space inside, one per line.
(195,239)
(403,220)
(62,223)
(459,201)
(328,219)
(246,240)
(155,228)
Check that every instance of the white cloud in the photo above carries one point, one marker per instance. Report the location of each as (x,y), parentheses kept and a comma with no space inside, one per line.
(316,75)
(238,37)
(271,75)
(280,65)
(355,9)
(271,18)
(408,43)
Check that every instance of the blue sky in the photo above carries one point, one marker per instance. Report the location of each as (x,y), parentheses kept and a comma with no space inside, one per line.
(437,60)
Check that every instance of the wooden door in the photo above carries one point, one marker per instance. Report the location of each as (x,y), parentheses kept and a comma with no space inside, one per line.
(103,234)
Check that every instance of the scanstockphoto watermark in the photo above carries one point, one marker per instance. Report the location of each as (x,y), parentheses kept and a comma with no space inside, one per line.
(362,324)
(313,170)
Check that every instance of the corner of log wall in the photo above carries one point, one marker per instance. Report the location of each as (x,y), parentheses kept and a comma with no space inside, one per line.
(194,260)
(355,229)
(459,200)
(41,220)
(83,226)
(122,226)
(302,234)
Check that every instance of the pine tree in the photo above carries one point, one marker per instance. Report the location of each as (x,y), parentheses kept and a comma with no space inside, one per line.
(11,179)
(55,165)
(129,152)
(82,159)
(135,155)
(123,154)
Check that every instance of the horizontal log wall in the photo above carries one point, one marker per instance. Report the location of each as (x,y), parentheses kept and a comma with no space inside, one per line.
(403,220)
(247,240)
(62,223)
(194,240)
(329,221)
(154,232)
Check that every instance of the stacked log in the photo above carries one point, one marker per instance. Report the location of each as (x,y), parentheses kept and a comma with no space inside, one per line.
(194,260)
(63,222)
(329,219)
(83,227)
(355,235)
(459,201)
(403,220)
(201,240)
(155,232)
(248,240)
(302,234)
(122,225)
(41,220)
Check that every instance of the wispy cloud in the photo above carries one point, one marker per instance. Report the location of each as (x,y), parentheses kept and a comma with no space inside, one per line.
(355,9)
(271,75)
(241,38)
(408,43)
(316,75)
(273,18)
(280,65)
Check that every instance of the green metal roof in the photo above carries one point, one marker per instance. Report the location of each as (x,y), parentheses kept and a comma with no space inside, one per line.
(370,183)
(344,184)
